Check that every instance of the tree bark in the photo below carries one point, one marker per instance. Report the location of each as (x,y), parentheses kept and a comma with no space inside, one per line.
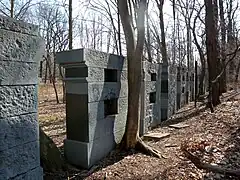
(211,44)
(70,24)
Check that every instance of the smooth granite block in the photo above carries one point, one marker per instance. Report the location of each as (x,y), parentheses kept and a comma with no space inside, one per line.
(20,159)
(18,130)
(76,86)
(16,100)
(18,73)
(20,47)
(77,117)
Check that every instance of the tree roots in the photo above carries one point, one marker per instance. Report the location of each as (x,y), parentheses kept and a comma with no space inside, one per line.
(208,167)
(141,146)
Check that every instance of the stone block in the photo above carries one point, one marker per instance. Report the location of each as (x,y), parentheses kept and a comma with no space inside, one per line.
(96,110)
(36,174)
(18,130)
(12,24)
(76,87)
(20,159)
(92,58)
(16,100)
(87,154)
(18,73)
(104,91)
(150,86)
(20,47)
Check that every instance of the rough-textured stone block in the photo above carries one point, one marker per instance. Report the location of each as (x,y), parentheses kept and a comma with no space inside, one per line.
(34,174)
(20,159)
(16,100)
(18,73)
(18,26)
(150,86)
(18,130)
(20,47)
(103,91)
(92,58)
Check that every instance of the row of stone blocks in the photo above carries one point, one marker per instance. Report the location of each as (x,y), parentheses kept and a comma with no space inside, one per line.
(20,51)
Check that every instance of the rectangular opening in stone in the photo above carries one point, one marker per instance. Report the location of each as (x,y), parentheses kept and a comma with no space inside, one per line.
(183,90)
(153,76)
(110,107)
(110,75)
(75,72)
(183,78)
(152,97)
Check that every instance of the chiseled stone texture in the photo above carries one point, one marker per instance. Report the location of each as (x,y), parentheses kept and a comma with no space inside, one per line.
(20,159)
(14,73)
(34,174)
(16,100)
(18,130)
(20,47)
(18,26)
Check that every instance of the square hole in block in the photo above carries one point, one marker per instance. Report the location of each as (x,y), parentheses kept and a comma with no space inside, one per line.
(152,97)
(183,90)
(110,107)
(110,75)
(153,76)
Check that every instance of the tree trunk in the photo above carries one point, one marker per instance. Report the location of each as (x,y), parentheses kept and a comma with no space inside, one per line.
(50,156)
(12,8)
(223,84)
(211,44)
(70,24)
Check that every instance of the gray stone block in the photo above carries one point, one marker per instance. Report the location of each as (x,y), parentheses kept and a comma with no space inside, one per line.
(87,154)
(150,86)
(34,174)
(76,87)
(96,110)
(108,90)
(18,26)
(20,47)
(18,130)
(92,58)
(20,159)
(18,73)
(16,100)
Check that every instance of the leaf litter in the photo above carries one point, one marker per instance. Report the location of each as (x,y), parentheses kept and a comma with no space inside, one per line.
(213,137)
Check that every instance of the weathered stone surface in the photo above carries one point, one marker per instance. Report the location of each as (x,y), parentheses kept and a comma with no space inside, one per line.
(20,47)
(16,100)
(156,136)
(20,159)
(103,91)
(36,174)
(18,130)
(18,26)
(18,73)
(92,58)
(150,86)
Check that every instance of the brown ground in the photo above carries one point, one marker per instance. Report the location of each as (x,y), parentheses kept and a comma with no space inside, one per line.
(213,136)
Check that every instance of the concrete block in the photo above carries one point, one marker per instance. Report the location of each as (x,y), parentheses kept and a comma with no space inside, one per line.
(20,159)
(36,174)
(20,47)
(18,130)
(96,110)
(16,100)
(12,24)
(71,56)
(108,90)
(95,74)
(18,73)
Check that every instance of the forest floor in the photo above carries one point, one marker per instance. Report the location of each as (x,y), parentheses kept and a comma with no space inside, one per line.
(214,137)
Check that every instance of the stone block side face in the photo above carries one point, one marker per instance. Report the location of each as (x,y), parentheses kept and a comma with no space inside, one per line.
(172,92)
(20,51)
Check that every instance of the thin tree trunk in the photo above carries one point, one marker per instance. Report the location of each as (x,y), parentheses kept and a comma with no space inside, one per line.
(70,24)
(12,8)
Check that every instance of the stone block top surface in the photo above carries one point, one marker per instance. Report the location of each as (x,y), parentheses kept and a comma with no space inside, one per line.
(11,24)
(91,58)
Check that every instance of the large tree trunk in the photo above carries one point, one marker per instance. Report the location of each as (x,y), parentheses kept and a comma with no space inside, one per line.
(50,156)
(223,84)
(211,44)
